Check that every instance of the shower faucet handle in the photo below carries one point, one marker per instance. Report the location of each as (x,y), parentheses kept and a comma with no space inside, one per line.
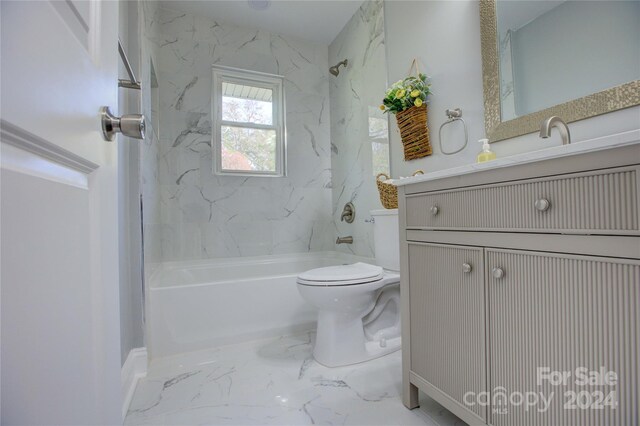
(348,213)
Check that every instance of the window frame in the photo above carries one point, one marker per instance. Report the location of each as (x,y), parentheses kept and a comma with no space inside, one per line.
(256,79)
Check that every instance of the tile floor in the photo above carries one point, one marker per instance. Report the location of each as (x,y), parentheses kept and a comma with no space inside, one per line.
(275,382)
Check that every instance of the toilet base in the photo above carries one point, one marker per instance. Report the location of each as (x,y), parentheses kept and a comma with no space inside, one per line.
(372,350)
(345,338)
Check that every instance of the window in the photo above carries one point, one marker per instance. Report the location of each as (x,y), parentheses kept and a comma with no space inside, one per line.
(379,137)
(248,123)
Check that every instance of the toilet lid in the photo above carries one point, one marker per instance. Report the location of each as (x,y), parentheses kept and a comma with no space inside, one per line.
(356,273)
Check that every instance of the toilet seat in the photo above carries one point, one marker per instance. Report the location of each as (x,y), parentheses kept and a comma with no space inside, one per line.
(342,275)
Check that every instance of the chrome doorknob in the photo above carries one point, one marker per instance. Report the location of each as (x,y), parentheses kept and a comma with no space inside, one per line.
(497,273)
(434,210)
(132,125)
(542,204)
(466,268)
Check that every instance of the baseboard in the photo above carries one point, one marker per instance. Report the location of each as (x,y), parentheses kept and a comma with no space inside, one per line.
(134,368)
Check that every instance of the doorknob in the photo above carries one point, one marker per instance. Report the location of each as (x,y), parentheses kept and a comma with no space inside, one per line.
(132,125)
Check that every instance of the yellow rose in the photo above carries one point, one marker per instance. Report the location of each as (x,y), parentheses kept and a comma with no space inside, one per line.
(400,93)
(382,107)
(415,93)
(418,102)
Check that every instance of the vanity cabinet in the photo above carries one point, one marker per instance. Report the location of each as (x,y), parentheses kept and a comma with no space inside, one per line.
(447,315)
(562,312)
(503,293)
(596,202)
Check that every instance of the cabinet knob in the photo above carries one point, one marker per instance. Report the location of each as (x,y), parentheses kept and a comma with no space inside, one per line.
(434,210)
(542,204)
(466,268)
(497,273)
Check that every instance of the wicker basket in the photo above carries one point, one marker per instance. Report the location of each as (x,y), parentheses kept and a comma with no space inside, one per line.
(414,132)
(388,191)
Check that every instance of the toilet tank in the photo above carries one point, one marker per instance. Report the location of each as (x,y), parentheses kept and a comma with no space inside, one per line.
(386,238)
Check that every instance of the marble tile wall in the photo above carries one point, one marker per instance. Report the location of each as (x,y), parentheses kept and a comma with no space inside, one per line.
(356,94)
(149,149)
(208,216)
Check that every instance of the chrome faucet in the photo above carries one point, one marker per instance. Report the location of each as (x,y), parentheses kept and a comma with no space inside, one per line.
(348,213)
(345,240)
(555,121)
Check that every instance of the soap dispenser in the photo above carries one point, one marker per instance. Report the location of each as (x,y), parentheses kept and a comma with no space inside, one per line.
(486,154)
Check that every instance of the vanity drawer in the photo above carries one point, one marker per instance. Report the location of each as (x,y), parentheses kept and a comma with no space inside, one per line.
(597,202)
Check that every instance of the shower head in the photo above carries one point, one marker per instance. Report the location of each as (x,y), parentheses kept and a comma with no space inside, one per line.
(335,70)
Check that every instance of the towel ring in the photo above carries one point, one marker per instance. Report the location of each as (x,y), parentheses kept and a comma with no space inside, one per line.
(453,115)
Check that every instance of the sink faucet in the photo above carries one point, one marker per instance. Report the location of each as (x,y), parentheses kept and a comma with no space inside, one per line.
(555,121)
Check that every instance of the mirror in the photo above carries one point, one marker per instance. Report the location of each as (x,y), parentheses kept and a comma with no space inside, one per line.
(574,59)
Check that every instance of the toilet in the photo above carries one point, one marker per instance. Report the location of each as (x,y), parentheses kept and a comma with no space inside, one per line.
(358,304)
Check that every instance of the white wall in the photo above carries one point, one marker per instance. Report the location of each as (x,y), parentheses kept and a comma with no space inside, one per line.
(149,148)
(445,36)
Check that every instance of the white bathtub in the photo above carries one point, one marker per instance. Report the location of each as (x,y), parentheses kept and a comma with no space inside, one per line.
(203,304)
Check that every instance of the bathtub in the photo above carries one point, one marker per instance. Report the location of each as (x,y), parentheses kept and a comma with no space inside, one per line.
(203,304)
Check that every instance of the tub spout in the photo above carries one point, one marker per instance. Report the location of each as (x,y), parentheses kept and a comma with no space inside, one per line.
(345,240)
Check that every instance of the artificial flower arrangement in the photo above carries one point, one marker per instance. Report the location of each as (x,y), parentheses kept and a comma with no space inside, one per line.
(403,94)
(407,100)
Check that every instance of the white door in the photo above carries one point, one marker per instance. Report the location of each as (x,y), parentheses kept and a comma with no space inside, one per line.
(60,359)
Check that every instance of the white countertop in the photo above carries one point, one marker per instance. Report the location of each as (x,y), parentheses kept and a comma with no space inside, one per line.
(597,144)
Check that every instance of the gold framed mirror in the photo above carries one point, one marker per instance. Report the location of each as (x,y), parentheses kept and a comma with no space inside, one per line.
(502,119)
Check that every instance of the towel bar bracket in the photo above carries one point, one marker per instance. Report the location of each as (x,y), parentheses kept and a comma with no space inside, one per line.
(133,82)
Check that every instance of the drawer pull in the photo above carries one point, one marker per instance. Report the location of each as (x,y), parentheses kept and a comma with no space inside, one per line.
(466,268)
(497,273)
(434,210)
(542,205)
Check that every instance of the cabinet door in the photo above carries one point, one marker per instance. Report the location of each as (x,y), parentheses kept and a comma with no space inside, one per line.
(447,322)
(560,313)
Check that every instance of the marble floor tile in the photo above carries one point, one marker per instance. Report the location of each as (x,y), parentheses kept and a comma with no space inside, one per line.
(275,382)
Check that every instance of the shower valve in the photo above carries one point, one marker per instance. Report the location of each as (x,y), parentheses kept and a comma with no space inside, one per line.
(348,213)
